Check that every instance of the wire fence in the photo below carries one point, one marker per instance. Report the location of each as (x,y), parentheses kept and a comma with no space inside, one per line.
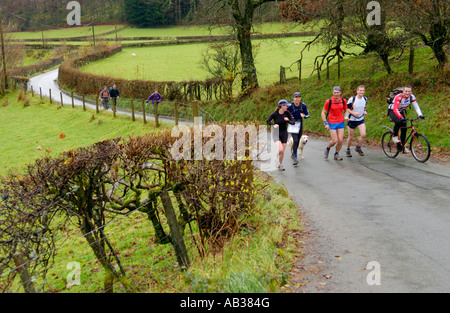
(82,272)
(169,111)
(49,213)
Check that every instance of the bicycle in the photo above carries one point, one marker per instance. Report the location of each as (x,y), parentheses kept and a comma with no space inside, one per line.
(419,144)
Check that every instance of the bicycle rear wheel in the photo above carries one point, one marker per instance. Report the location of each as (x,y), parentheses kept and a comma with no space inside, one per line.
(420,148)
(388,145)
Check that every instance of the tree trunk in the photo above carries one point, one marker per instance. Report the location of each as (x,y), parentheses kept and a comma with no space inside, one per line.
(249,77)
(97,245)
(175,233)
(385,58)
(161,237)
(25,276)
(438,32)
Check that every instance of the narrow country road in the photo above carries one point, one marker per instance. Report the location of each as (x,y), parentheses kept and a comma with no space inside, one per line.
(49,81)
(395,212)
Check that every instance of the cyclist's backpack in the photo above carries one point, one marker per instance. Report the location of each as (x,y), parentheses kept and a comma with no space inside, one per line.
(394,94)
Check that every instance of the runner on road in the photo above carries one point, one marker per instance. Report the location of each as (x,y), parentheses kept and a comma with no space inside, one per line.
(279,119)
(357,109)
(333,110)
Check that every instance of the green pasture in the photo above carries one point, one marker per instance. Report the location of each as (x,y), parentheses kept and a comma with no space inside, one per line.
(183,62)
(124,32)
(66,32)
(200,30)
(33,123)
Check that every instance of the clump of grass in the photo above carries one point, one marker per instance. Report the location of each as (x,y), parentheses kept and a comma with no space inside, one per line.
(22,96)
(26,102)
(5,103)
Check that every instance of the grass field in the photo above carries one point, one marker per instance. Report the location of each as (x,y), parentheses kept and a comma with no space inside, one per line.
(257,259)
(67,32)
(25,128)
(183,62)
(168,31)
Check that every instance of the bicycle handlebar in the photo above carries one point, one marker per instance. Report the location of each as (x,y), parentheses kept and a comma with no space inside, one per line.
(415,119)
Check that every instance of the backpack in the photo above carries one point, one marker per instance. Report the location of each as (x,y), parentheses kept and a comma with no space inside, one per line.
(293,108)
(329,106)
(393,94)
(353,101)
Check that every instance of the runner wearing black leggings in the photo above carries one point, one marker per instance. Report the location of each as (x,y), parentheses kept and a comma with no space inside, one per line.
(280,117)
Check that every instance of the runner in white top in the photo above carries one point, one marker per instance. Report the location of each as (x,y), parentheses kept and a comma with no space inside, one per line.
(357,107)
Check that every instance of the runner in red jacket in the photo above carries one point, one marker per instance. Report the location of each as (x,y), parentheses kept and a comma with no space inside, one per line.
(337,110)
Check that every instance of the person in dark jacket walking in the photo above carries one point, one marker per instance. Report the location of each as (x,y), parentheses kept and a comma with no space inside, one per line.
(114,94)
(105,97)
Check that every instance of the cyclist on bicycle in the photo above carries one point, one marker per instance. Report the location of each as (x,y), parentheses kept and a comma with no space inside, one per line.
(397,113)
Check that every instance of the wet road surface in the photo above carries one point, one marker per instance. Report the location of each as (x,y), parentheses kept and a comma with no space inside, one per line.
(395,212)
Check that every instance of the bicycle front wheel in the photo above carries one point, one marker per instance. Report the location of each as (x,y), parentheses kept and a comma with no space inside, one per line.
(388,145)
(420,148)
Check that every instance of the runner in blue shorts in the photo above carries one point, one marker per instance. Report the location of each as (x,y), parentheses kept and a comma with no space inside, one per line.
(334,114)
(336,126)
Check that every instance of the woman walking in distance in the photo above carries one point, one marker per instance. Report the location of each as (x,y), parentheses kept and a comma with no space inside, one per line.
(336,111)
(357,109)
(279,119)
(105,97)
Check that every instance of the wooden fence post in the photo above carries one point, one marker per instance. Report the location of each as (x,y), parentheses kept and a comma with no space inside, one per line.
(339,67)
(73,104)
(96,105)
(156,115)
(176,113)
(299,71)
(50,93)
(143,112)
(84,104)
(195,109)
(282,75)
(32,91)
(40,92)
(175,233)
(132,111)
(60,94)
(318,70)
(328,69)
